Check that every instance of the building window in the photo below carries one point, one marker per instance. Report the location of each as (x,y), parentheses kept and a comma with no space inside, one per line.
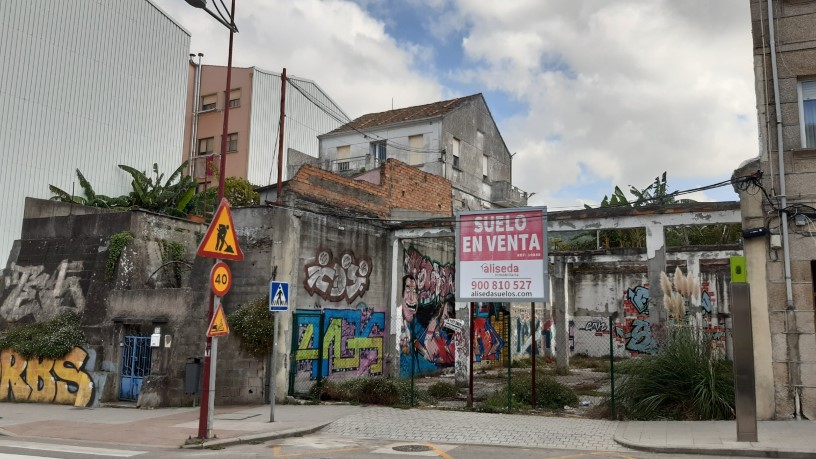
(343,166)
(208,102)
(379,151)
(484,167)
(455,152)
(206,146)
(807,112)
(480,140)
(232,142)
(416,143)
(235,98)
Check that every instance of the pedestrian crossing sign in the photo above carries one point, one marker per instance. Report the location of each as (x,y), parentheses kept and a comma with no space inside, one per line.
(221,240)
(278,296)
(218,325)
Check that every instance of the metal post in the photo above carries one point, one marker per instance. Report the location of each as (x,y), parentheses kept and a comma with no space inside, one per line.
(509,364)
(612,364)
(319,341)
(211,398)
(273,382)
(205,414)
(472,344)
(533,351)
(413,359)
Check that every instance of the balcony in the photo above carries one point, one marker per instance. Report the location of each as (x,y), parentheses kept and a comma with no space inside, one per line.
(346,166)
(506,195)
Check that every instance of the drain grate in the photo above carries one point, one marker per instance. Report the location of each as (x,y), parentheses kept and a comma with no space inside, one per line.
(411,448)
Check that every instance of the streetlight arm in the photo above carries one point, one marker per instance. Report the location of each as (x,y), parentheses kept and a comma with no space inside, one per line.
(222,20)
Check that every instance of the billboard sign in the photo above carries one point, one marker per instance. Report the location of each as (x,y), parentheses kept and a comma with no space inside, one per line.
(501,255)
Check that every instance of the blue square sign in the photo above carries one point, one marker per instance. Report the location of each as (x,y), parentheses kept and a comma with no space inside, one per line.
(278,296)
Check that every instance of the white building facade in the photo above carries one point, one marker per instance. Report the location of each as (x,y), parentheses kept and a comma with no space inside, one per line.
(86,85)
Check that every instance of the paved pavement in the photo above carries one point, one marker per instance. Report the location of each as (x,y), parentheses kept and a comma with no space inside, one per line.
(171,427)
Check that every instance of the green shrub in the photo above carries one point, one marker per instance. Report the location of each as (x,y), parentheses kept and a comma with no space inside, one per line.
(51,340)
(443,390)
(369,391)
(550,394)
(254,326)
(686,380)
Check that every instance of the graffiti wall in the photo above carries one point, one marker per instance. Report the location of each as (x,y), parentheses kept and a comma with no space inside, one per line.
(64,381)
(338,343)
(522,333)
(32,291)
(337,279)
(428,314)
(489,325)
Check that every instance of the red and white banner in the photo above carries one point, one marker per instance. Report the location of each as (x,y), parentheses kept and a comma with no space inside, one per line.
(501,255)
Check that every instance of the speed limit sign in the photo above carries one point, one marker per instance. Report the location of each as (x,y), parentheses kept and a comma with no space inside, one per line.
(220,279)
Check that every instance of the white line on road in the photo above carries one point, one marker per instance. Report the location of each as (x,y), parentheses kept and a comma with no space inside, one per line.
(68,449)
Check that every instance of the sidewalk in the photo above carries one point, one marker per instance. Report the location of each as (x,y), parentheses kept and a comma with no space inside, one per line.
(171,427)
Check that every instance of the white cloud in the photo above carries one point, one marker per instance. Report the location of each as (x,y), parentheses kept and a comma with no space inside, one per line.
(335,43)
(625,89)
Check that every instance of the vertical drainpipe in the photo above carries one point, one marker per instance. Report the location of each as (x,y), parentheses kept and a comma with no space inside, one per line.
(793,375)
(196,102)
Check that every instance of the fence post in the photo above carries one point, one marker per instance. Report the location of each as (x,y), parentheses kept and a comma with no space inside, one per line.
(509,363)
(470,355)
(533,350)
(319,341)
(413,358)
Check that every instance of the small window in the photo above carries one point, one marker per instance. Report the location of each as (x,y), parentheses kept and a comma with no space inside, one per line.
(416,143)
(484,167)
(480,140)
(232,142)
(206,146)
(208,102)
(807,112)
(343,166)
(455,151)
(235,98)
(379,151)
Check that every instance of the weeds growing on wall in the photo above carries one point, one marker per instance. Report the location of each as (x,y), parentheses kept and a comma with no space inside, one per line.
(369,391)
(254,326)
(51,340)
(172,251)
(686,380)
(116,244)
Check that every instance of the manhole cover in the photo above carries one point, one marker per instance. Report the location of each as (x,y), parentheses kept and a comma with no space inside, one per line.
(411,448)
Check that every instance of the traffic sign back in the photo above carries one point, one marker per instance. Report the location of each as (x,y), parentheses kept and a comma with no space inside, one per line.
(221,240)
(278,296)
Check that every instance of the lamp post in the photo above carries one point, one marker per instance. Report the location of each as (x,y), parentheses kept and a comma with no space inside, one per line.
(205,414)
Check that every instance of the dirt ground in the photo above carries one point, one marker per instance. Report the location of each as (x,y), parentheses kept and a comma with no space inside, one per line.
(592,385)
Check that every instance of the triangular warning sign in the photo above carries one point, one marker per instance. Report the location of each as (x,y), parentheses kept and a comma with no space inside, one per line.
(220,240)
(280,297)
(218,326)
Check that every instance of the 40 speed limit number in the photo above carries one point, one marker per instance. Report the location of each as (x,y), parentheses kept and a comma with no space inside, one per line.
(220,279)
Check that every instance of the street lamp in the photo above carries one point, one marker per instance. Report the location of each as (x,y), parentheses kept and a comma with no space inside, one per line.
(205,414)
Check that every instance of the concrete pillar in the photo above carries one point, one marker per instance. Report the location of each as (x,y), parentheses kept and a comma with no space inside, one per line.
(559,302)
(656,261)
(462,341)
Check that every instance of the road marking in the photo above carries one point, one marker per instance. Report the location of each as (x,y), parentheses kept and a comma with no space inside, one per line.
(19,456)
(70,449)
(438,451)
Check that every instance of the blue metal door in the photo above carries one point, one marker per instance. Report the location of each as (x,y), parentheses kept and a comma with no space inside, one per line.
(135,366)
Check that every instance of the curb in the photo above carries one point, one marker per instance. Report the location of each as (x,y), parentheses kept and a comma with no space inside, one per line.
(752,451)
(263,436)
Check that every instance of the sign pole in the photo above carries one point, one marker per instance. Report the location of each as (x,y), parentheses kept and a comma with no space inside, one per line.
(211,398)
(273,383)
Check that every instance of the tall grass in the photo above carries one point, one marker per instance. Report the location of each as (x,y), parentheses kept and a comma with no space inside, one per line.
(686,380)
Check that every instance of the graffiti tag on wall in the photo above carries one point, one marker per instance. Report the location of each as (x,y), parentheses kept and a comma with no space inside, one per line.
(30,291)
(64,380)
(337,279)
(351,342)
(428,295)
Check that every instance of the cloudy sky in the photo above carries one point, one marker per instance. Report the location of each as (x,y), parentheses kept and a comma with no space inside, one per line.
(589,94)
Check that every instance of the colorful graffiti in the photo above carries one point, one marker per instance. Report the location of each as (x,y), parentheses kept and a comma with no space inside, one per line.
(335,279)
(64,381)
(30,291)
(639,299)
(488,344)
(427,302)
(351,342)
(635,331)
(524,336)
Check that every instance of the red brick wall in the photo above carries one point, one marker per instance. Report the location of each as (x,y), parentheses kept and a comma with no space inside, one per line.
(402,187)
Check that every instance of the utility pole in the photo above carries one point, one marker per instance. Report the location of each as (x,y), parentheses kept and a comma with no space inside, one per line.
(280,135)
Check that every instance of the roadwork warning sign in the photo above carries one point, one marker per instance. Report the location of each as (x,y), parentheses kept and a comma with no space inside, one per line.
(221,240)
(218,326)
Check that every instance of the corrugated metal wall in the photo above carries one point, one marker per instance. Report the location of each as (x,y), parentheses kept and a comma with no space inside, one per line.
(88,85)
(305,120)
